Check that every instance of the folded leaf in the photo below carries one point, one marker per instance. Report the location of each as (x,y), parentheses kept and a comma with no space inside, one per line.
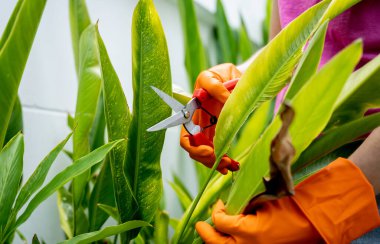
(280,182)
(106,232)
(16,45)
(65,176)
(11,161)
(150,67)
(161,227)
(16,121)
(118,122)
(110,211)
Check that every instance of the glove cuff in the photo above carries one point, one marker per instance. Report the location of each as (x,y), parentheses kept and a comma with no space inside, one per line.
(339,201)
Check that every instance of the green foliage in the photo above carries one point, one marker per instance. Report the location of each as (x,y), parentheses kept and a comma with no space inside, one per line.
(16,122)
(150,67)
(307,124)
(15,45)
(246,46)
(225,35)
(195,54)
(161,227)
(106,232)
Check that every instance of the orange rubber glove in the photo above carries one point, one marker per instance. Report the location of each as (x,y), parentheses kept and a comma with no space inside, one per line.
(211,80)
(335,205)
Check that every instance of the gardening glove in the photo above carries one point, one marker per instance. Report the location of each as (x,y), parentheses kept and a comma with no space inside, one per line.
(335,205)
(212,81)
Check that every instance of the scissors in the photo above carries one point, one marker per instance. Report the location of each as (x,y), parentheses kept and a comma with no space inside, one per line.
(184,114)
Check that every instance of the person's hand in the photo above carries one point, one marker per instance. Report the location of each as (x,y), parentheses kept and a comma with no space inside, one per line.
(336,205)
(212,81)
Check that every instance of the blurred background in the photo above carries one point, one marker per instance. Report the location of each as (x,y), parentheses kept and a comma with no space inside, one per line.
(49,86)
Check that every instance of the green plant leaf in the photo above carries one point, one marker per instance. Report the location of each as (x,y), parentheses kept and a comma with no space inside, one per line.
(335,138)
(309,62)
(106,232)
(79,21)
(70,121)
(161,227)
(102,193)
(38,177)
(16,43)
(195,54)
(16,122)
(98,129)
(183,198)
(65,211)
(150,67)
(226,37)
(311,117)
(359,94)
(118,122)
(266,22)
(181,95)
(65,176)
(11,161)
(268,74)
(110,211)
(253,128)
(35,239)
(246,46)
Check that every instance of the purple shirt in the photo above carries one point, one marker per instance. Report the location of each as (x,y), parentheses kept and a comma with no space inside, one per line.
(360,21)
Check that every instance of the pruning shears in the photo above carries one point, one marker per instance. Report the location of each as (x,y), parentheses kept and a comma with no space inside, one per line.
(184,114)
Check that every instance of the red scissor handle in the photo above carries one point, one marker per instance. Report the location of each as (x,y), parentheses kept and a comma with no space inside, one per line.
(202,95)
(200,139)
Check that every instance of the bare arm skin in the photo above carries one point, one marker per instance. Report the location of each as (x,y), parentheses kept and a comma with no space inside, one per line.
(367,158)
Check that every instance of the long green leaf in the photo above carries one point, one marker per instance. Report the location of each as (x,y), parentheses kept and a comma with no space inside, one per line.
(226,37)
(38,177)
(309,62)
(79,21)
(118,122)
(65,211)
(246,46)
(150,67)
(102,193)
(65,176)
(161,227)
(183,198)
(311,117)
(11,160)
(110,211)
(106,232)
(98,129)
(195,55)
(360,93)
(16,121)
(336,137)
(14,53)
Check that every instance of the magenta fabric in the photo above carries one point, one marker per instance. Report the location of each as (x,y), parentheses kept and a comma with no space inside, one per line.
(360,21)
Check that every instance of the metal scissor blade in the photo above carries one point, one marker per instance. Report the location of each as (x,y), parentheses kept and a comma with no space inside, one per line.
(176,119)
(173,103)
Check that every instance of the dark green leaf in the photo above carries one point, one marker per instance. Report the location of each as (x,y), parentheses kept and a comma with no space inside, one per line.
(103,193)
(35,239)
(11,161)
(65,210)
(16,44)
(65,176)
(246,46)
(150,67)
(99,126)
(195,55)
(110,211)
(106,232)
(15,123)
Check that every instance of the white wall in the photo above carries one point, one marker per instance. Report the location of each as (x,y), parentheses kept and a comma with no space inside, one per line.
(48,87)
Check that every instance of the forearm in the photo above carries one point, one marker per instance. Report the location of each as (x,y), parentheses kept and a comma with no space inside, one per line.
(367,158)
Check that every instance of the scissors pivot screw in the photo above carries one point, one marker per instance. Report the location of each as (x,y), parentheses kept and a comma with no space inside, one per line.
(186,114)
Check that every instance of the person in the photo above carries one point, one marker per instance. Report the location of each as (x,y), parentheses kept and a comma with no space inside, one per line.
(335,205)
